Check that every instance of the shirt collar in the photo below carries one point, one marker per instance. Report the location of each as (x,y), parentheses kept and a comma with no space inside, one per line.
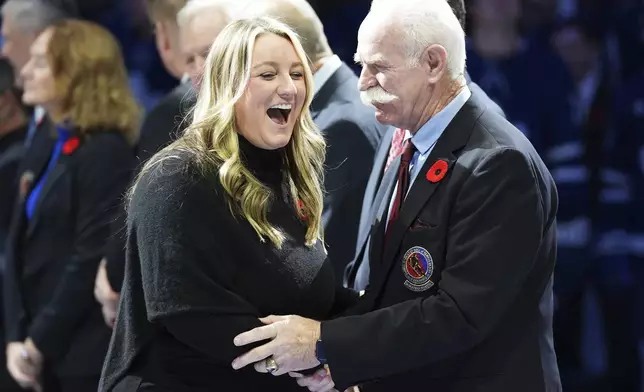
(39,114)
(429,133)
(330,65)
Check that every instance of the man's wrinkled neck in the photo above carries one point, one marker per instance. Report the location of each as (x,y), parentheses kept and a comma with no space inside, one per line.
(444,93)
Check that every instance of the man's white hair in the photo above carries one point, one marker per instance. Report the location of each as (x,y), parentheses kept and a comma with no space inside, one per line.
(196,7)
(31,16)
(424,23)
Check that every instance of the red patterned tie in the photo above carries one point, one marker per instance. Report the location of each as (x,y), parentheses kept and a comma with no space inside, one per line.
(403,182)
(396,146)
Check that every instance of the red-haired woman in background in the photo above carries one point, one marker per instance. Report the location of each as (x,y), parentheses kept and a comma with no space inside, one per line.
(56,336)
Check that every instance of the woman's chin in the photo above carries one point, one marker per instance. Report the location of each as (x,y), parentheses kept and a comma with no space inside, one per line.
(280,140)
(28,100)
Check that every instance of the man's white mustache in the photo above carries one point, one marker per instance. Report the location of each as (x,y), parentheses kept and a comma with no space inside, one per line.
(376,95)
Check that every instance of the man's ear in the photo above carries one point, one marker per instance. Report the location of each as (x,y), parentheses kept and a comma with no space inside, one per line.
(163,41)
(434,61)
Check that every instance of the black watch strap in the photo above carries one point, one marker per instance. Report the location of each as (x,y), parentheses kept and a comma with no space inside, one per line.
(319,352)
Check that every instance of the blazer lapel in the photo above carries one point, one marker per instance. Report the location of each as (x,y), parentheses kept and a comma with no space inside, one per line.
(453,139)
(32,166)
(325,93)
(367,213)
(315,111)
(373,187)
(380,212)
(56,172)
(38,154)
(382,154)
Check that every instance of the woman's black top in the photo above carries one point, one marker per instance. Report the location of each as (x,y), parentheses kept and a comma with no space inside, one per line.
(197,275)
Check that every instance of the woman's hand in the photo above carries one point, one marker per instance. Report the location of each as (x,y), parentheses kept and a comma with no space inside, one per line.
(24,363)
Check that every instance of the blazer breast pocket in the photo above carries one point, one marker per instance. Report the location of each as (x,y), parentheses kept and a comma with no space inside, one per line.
(425,235)
(419,224)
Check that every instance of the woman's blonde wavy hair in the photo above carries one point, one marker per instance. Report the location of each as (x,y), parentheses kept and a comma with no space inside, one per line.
(90,79)
(212,138)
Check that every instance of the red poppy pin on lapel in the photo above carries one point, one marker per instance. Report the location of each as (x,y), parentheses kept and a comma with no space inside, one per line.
(300,209)
(437,171)
(71,145)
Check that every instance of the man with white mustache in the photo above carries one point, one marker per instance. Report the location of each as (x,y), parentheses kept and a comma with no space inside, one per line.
(357,272)
(376,95)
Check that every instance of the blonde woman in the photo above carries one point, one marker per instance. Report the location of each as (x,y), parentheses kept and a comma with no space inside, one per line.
(69,194)
(224,224)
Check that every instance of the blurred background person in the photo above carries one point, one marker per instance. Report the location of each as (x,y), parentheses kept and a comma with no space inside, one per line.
(161,125)
(22,22)
(13,128)
(166,118)
(627,158)
(527,80)
(349,127)
(200,22)
(56,337)
(595,199)
(185,31)
(163,15)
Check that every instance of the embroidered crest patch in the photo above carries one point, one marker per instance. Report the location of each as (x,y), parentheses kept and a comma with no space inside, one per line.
(418,267)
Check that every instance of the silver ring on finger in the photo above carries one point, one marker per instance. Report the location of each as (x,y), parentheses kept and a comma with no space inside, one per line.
(271,365)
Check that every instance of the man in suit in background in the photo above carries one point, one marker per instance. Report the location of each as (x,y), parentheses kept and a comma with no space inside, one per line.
(200,22)
(189,27)
(458,8)
(159,128)
(357,272)
(463,242)
(166,118)
(349,127)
